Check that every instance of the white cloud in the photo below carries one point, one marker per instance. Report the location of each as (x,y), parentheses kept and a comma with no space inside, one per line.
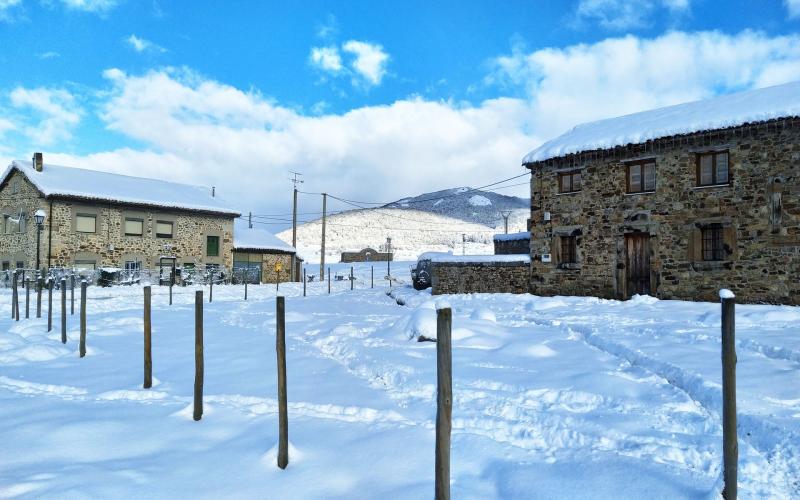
(98,6)
(326,58)
(623,75)
(793,8)
(5,126)
(57,111)
(626,14)
(370,60)
(205,132)
(141,45)
(48,55)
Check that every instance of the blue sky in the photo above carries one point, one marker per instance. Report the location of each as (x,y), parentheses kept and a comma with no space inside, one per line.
(373,100)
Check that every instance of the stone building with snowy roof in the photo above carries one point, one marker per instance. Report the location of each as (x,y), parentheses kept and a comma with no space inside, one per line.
(261,257)
(676,202)
(99,219)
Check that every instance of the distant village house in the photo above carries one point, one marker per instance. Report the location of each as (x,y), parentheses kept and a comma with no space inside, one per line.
(97,219)
(366,255)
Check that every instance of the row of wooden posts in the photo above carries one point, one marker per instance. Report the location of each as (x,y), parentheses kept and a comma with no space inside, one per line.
(352,280)
(444,377)
(41,284)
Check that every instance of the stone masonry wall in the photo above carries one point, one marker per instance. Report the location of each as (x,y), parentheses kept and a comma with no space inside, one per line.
(759,210)
(479,277)
(108,246)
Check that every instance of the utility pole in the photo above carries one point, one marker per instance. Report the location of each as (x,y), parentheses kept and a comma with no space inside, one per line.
(506,214)
(389,260)
(296,181)
(250,220)
(463,244)
(322,251)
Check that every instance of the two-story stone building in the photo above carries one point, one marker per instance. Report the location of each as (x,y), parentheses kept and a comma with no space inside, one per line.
(98,219)
(676,202)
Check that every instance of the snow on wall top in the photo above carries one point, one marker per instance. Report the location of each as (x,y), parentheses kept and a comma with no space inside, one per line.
(480,258)
(780,101)
(524,235)
(245,238)
(55,180)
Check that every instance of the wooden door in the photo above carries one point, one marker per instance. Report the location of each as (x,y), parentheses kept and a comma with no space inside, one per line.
(637,248)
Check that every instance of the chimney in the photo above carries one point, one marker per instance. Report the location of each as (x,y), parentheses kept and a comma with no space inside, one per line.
(38,161)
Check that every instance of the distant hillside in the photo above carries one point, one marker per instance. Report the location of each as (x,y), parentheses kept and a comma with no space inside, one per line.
(412,232)
(482,207)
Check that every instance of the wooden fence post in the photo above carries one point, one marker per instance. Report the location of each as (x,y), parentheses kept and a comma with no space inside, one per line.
(83,319)
(148,356)
(39,286)
(13,294)
(63,310)
(170,292)
(283,416)
(352,278)
(304,282)
(15,298)
(245,289)
(27,298)
(444,401)
(329,281)
(72,296)
(372,277)
(211,289)
(198,355)
(50,304)
(730,446)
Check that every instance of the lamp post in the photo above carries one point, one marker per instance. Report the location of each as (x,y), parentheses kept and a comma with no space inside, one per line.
(38,217)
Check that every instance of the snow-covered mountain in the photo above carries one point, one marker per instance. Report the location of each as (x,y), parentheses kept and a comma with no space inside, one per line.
(473,205)
(412,231)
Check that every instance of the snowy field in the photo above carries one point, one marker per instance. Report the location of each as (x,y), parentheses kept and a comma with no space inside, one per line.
(553,398)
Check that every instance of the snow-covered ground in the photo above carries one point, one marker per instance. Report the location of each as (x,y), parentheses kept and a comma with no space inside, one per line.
(553,397)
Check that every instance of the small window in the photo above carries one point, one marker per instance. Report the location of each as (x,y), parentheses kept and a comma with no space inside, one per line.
(134,227)
(23,221)
(85,264)
(15,186)
(713,247)
(164,229)
(642,177)
(6,265)
(569,250)
(212,246)
(569,182)
(86,223)
(133,265)
(712,169)
(20,264)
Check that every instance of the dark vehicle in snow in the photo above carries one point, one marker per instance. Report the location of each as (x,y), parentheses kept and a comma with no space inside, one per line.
(421,275)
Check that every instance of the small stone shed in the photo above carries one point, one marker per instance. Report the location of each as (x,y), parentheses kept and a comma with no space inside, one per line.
(366,255)
(480,274)
(512,243)
(258,251)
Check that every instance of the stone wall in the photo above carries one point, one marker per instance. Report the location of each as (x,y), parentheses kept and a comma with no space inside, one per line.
(479,277)
(759,211)
(366,255)
(18,195)
(109,246)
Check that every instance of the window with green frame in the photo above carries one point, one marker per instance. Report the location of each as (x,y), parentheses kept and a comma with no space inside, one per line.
(212,246)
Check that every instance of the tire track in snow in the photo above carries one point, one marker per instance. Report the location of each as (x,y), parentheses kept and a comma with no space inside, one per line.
(781,453)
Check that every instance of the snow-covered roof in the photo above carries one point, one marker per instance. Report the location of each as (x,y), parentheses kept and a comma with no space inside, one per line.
(55,180)
(780,101)
(245,238)
(524,235)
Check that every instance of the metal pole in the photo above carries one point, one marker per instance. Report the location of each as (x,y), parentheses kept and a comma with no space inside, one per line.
(322,250)
(730,446)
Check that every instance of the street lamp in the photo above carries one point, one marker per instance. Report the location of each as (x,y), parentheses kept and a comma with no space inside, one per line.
(38,217)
